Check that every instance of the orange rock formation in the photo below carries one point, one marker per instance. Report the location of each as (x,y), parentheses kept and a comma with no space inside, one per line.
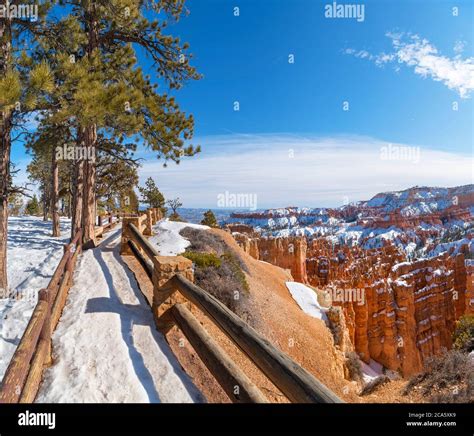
(396,312)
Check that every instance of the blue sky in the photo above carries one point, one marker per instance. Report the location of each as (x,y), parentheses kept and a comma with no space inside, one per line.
(400,70)
(245,58)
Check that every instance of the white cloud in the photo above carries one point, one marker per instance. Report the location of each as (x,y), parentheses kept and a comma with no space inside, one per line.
(322,171)
(459,47)
(455,73)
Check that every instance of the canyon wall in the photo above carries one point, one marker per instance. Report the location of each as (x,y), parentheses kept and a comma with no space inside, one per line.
(395,219)
(396,312)
(287,253)
(470,287)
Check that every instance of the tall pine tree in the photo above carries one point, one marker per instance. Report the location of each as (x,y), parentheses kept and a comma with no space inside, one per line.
(21,89)
(152,196)
(105,91)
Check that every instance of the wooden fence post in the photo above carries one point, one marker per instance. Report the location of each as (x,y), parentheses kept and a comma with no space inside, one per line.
(165,294)
(124,247)
(149,223)
(44,295)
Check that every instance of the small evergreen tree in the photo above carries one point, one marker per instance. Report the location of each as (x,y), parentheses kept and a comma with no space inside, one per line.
(128,201)
(209,219)
(15,204)
(151,195)
(33,206)
(175,204)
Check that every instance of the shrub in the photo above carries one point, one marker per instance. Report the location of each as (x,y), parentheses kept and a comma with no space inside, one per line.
(209,219)
(447,378)
(374,384)
(204,240)
(203,260)
(217,269)
(175,216)
(236,269)
(353,365)
(223,284)
(33,207)
(463,336)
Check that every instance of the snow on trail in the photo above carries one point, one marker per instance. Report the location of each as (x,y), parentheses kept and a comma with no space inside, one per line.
(32,257)
(168,240)
(307,299)
(106,347)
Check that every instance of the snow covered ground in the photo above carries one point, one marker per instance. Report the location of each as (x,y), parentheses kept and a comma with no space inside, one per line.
(167,238)
(371,371)
(33,255)
(106,346)
(307,299)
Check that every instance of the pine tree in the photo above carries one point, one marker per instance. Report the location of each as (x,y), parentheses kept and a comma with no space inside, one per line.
(22,86)
(44,144)
(128,202)
(209,219)
(151,195)
(175,204)
(15,204)
(116,178)
(39,172)
(106,91)
(33,207)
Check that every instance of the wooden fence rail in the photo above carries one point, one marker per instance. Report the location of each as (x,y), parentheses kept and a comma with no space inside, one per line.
(170,277)
(23,375)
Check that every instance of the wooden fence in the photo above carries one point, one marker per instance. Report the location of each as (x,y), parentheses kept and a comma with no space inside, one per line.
(173,293)
(105,222)
(23,375)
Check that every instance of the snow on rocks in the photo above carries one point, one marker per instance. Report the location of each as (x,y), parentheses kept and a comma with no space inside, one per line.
(307,300)
(168,240)
(371,371)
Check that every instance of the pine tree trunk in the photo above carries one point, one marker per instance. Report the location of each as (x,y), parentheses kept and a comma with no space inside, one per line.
(5,148)
(55,195)
(90,142)
(77,192)
(69,204)
(89,203)
(45,208)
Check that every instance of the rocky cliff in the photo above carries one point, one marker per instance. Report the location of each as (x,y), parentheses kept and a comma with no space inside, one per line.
(287,253)
(398,265)
(396,312)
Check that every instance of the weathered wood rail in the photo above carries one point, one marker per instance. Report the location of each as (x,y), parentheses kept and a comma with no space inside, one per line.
(22,378)
(106,222)
(174,298)
(23,375)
